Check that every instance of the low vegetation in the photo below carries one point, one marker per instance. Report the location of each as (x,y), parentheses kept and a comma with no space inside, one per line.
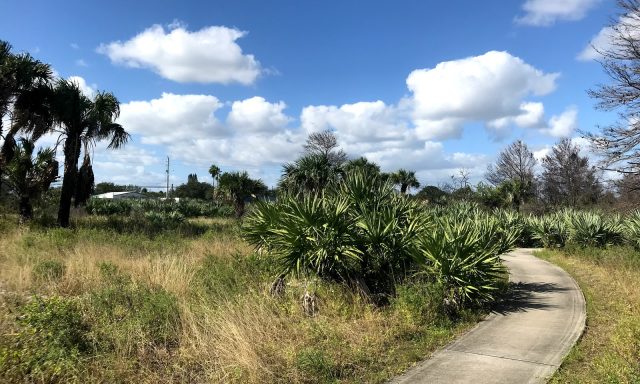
(95,304)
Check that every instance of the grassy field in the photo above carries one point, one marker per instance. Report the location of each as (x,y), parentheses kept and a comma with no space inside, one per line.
(609,351)
(112,300)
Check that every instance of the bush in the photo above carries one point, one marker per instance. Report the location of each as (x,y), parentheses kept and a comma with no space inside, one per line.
(589,229)
(463,255)
(550,230)
(48,270)
(363,234)
(51,344)
(631,228)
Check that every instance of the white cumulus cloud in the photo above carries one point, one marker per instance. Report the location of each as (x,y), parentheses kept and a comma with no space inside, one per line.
(541,13)
(563,125)
(172,118)
(88,89)
(606,40)
(358,122)
(483,88)
(210,55)
(254,132)
(257,115)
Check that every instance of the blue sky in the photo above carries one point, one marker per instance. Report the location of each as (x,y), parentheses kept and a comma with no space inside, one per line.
(429,86)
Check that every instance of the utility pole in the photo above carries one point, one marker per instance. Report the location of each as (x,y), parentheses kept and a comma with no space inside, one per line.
(167,196)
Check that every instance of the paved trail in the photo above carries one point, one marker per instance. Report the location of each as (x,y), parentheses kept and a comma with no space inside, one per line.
(523,341)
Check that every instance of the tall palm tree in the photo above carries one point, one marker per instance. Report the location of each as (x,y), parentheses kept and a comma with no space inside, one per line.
(214,171)
(81,122)
(362,163)
(239,186)
(24,94)
(405,179)
(29,177)
(310,174)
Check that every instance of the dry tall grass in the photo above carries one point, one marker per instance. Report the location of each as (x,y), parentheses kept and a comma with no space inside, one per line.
(231,329)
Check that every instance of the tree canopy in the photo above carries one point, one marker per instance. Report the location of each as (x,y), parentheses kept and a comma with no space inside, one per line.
(567,178)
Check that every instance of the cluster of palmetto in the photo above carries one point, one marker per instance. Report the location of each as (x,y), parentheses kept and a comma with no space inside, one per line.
(585,229)
(344,221)
(36,103)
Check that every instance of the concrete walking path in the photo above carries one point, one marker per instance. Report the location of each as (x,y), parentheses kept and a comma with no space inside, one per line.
(523,341)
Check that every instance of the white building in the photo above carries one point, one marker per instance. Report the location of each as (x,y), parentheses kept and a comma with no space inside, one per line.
(119,195)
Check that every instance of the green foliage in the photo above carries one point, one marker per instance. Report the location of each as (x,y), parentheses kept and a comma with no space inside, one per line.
(309,236)
(49,270)
(239,187)
(631,228)
(551,230)
(433,195)
(589,229)
(462,253)
(194,189)
(311,174)
(363,232)
(29,176)
(166,220)
(581,228)
(129,317)
(420,301)
(50,345)
(316,366)
(405,180)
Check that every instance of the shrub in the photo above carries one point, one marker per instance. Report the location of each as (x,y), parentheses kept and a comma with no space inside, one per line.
(589,229)
(631,228)
(48,270)
(185,207)
(50,345)
(551,230)
(463,255)
(162,220)
(364,233)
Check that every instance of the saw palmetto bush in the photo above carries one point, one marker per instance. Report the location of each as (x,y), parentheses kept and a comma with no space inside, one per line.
(365,234)
(307,236)
(590,229)
(631,227)
(361,233)
(463,254)
(550,230)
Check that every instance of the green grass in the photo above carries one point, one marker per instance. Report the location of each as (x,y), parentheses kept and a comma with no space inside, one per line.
(609,350)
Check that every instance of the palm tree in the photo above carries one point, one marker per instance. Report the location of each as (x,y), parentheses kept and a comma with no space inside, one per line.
(310,174)
(239,186)
(29,177)
(405,179)
(81,122)
(24,94)
(369,168)
(214,171)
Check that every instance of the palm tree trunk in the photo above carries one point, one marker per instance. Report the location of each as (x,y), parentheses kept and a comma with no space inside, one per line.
(71,156)
(239,207)
(403,188)
(6,153)
(26,210)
